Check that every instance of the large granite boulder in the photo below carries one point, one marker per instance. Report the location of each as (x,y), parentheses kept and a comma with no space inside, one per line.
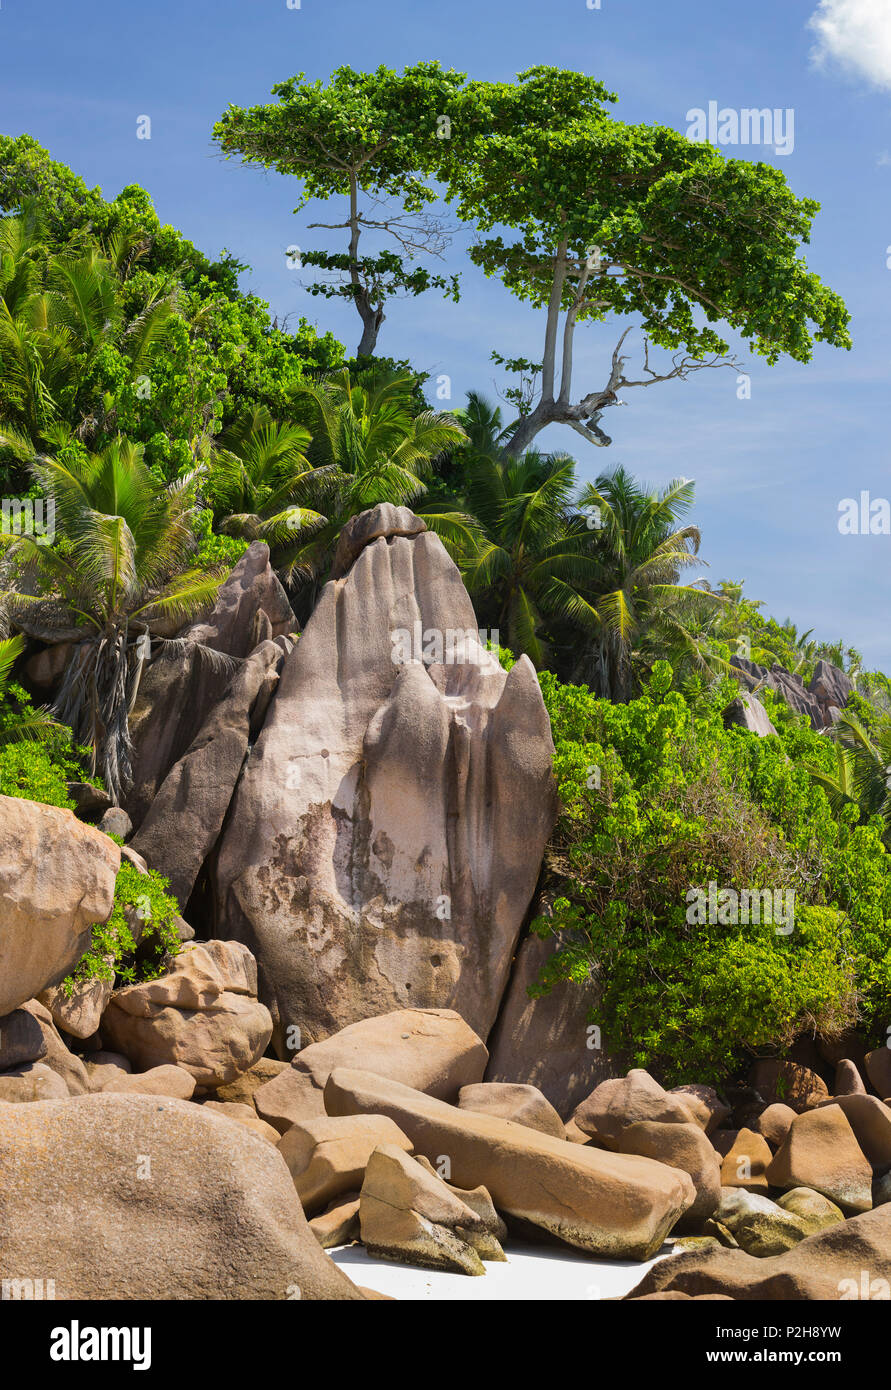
(250,607)
(387,832)
(184,820)
(57,880)
(183,682)
(129,1196)
(616,1205)
(203,1015)
(549,1041)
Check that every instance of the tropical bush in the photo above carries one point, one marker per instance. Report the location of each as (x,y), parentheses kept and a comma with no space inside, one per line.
(658,799)
(115,953)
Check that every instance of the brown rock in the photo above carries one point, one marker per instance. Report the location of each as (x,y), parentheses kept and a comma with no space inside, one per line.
(21,1040)
(57,1056)
(183,823)
(683,1146)
(202,1015)
(160,1081)
(848,1081)
(338,1224)
(706,1107)
(774,1123)
(385,521)
(407,1213)
(241,1091)
(79,1012)
(57,879)
(826,1267)
(171,1202)
(723,1140)
(103,1067)
(244,1115)
(524,1104)
(31,1082)
(790,1082)
(606,1203)
(614,1105)
(431,1050)
(253,587)
(821,1152)
(871,1122)
(745,1164)
(386,848)
(878,1069)
(288,1098)
(548,1041)
(329,1155)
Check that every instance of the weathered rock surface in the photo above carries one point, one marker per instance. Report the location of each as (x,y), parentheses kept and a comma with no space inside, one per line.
(243,1115)
(746,1162)
(548,1042)
(79,1012)
(174,1082)
(213,1216)
(705,1105)
(253,588)
(56,1055)
(338,1224)
(408,1213)
(386,835)
(827,1266)
(789,1082)
(609,1204)
(524,1104)
(747,712)
(183,823)
(328,1156)
(878,1069)
(431,1050)
(683,1146)
(848,1081)
(21,1039)
(57,879)
(616,1104)
(202,1015)
(774,1123)
(821,1152)
(30,1082)
(870,1120)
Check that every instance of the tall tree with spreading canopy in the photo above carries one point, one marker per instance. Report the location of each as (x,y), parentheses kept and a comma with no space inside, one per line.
(609,218)
(365,138)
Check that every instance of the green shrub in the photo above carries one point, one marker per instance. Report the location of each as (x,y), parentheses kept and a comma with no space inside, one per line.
(37,769)
(658,799)
(112,955)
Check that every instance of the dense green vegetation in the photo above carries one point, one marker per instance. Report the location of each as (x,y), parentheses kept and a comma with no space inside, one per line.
(658,799)
(164,421)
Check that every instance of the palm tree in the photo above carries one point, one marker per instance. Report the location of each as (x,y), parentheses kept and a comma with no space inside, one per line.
(258,477)
(57,312)
(31,724)
(637,608)
(122,560)
(369,445)
(531,560)
(862,774)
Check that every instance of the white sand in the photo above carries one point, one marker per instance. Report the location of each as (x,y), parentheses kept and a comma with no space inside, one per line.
(533,1272)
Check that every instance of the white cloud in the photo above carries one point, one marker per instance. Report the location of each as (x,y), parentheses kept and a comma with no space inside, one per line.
(857,35)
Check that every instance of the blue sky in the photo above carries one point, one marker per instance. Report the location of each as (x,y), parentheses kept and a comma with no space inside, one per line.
(771,470)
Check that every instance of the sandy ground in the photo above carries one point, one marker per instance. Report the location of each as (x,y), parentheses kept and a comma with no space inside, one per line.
(532,1272)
